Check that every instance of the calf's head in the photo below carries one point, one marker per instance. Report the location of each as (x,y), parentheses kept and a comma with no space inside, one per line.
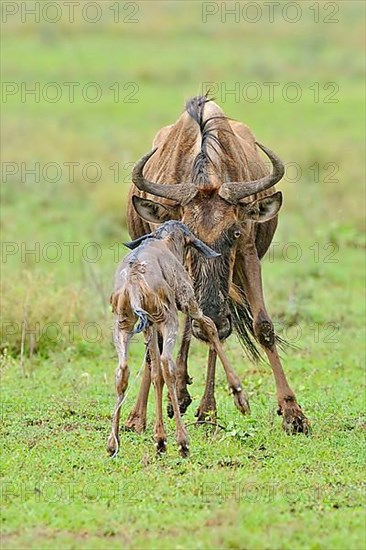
(177,237)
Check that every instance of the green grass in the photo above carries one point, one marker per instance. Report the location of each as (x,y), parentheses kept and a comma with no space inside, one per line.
(246,485)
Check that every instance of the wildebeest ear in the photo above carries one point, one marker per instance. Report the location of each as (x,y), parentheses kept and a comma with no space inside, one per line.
(154,212)
(264,209)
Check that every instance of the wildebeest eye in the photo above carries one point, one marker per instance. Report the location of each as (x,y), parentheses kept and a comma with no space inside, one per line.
(237,234)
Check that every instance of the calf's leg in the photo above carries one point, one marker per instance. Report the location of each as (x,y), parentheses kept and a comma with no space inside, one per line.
(207,408)
(169,332)
(240,399)
(137,418)
(158,383)
(183,378)
(121,340)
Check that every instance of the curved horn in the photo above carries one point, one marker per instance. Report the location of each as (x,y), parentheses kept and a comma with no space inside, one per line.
(181,193)
(233,192)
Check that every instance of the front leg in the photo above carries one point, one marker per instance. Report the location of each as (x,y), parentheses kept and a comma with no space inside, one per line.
(240,399)
(207,408)
(294,420)
(182,376)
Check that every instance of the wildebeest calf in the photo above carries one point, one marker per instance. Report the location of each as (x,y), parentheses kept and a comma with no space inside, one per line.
(151,285)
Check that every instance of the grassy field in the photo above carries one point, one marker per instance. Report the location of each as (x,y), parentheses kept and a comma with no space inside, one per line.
(246,484)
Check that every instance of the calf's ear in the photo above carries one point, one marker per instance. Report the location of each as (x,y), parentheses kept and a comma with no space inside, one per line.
(154,212)
(134,244)
(264,209)
(204,249)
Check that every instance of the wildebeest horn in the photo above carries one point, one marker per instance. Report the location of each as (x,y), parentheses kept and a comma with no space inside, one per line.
(181,193)
(235,191)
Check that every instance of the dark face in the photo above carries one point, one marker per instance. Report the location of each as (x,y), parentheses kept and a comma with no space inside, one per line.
(215,222)
(222,226)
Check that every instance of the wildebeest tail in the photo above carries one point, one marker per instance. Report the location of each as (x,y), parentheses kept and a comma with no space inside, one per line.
(142,316)
(243,324)
(143,321)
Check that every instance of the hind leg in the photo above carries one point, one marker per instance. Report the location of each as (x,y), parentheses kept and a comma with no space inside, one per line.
(158,383)
(121,341)
(169,331)
(137,418)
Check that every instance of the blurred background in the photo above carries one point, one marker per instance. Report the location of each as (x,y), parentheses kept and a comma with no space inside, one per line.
(85,89)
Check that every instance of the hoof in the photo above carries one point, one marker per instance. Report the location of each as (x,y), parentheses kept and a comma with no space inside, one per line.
(184,400)
(183,442)
(169,410)
(160,446)
(206,414)
(183,450)
(294,420)
(112,445)
(135,423)
(241,402)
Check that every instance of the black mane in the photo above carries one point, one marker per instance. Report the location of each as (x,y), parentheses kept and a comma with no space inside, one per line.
(195,109)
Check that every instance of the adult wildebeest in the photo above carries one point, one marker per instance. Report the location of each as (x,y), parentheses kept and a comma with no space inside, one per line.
(206,171)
